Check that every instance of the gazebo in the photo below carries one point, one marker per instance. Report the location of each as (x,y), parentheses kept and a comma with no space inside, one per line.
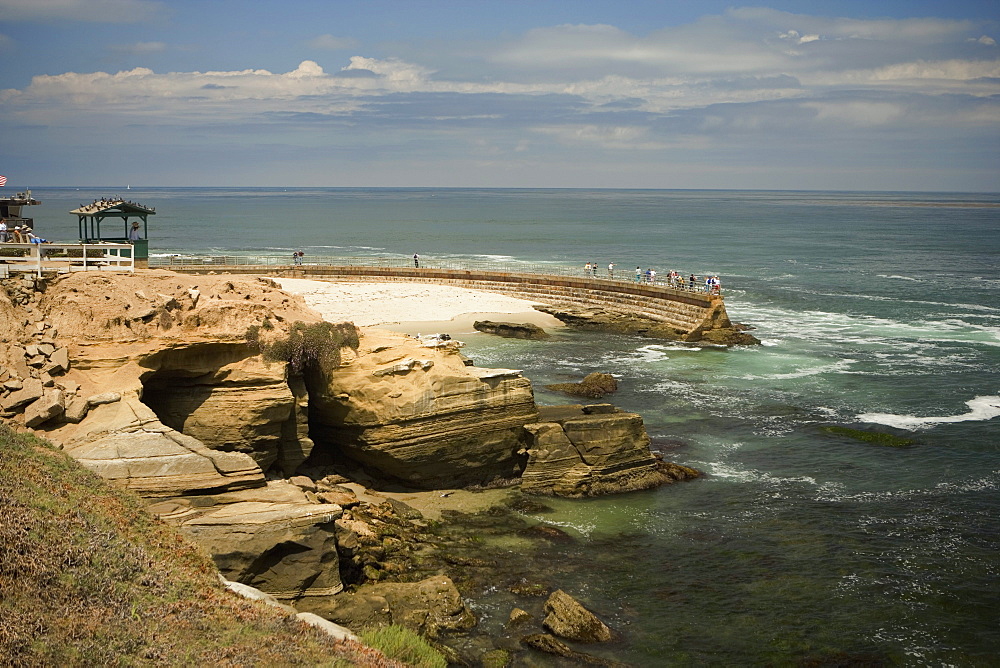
(90,217)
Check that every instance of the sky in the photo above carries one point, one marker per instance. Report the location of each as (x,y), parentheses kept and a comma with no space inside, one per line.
(781,95)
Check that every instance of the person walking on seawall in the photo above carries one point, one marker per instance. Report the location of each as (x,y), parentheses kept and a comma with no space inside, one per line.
(586,269)
(611,270)
(416,261)
(133,234)
(638,275)
(3,230)
(593,268)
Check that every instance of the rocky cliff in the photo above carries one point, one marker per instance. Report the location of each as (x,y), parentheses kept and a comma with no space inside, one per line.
(205,394)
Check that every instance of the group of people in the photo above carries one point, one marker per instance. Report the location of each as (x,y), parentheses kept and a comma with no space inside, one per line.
(297,257)
(19,234)
(674,279)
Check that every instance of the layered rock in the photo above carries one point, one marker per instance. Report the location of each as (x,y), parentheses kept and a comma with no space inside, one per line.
(511,330)
(421,415)
(587,451)
(230,399)
(711,326)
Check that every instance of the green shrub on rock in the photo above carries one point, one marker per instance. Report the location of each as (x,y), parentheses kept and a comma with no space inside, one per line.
(315,344)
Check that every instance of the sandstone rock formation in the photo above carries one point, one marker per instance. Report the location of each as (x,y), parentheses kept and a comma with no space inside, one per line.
(106,365)
(422,416)
(715,327)
(587,451)
(155,382)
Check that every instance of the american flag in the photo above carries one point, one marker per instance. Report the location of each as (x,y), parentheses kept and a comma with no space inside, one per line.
(3,181)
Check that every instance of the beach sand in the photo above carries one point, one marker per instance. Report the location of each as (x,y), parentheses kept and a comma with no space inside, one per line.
(413,308)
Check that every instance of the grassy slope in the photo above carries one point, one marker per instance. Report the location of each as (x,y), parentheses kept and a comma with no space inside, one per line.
(87,577)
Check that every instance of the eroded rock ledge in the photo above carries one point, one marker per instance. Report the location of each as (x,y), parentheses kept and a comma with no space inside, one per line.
(715,328)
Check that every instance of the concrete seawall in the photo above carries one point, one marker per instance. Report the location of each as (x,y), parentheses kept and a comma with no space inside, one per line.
(688,313)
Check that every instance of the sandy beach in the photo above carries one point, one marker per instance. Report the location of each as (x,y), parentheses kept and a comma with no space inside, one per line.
(412,307)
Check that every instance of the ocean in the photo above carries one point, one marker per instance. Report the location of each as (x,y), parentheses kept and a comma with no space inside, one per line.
(803,544)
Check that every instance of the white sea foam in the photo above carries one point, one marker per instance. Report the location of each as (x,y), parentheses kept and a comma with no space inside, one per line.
(836,367)
(980,409)
(900,278)
(723,470)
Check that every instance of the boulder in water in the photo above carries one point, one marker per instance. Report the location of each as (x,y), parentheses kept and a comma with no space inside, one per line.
(593,386)
(567,618)
(511,330)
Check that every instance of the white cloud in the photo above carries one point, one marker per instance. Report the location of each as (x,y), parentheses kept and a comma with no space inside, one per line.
(985,40)
(93,11)
(332,43)
(392,70)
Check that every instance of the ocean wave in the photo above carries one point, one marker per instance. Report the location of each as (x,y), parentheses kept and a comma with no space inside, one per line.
(981,408)
(837,367)
(723,470)
(900,278)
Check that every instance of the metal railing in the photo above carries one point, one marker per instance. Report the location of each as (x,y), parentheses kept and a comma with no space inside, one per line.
(66,257)
(426,262)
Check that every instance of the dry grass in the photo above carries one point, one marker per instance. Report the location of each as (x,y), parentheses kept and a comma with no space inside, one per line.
(88,578)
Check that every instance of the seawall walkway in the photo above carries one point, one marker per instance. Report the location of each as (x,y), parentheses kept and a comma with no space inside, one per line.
(687,311)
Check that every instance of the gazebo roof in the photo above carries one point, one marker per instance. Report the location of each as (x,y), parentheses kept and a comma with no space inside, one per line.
(113,207)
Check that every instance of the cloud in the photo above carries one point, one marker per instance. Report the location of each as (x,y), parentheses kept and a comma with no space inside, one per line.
(757,80)
(332,43)
(93,11)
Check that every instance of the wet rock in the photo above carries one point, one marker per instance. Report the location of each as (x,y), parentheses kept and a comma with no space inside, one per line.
(543,642)
(550,533)
(567,618)
(511,330)
(593,386)
(524,587)
(678,472)
(518,618)
(496,658)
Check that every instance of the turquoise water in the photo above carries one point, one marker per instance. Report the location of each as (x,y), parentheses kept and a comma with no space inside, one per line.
(878,311)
